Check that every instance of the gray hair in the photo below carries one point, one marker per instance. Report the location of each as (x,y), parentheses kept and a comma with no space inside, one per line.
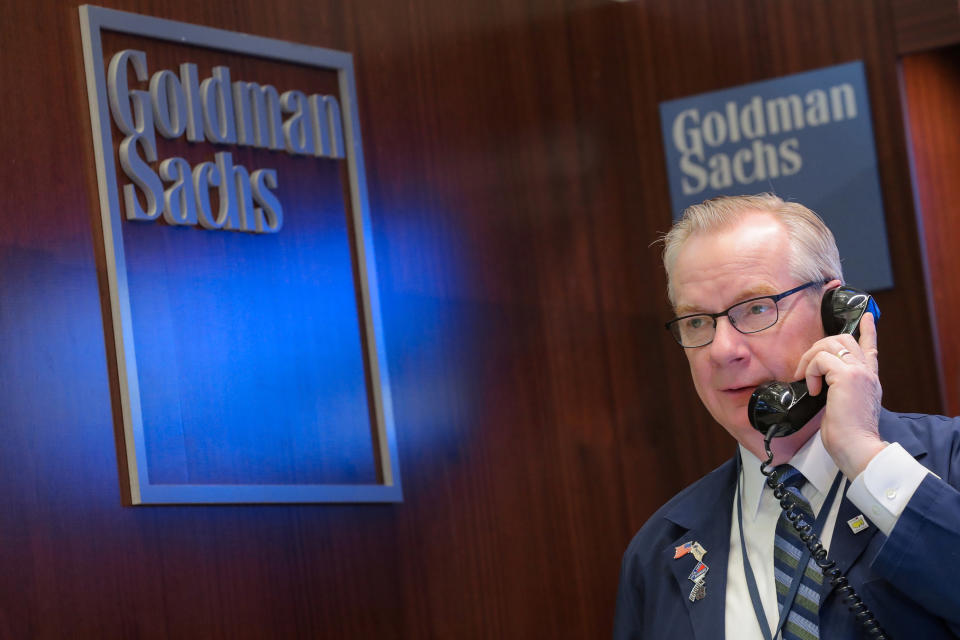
(814,254)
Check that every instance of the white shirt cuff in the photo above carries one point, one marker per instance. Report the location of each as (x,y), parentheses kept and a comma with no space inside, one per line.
(885,487)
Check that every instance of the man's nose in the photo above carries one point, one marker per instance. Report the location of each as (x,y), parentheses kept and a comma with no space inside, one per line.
(728,343)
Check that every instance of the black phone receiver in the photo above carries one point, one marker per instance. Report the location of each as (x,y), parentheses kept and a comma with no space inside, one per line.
(787,406)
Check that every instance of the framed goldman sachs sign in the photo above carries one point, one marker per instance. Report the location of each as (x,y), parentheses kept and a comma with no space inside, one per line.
(247,347)
(807,137)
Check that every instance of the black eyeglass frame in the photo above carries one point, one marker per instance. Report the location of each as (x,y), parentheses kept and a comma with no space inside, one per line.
(713,316)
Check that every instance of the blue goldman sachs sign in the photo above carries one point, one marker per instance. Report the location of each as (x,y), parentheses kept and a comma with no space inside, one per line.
(247,350)
(806,137)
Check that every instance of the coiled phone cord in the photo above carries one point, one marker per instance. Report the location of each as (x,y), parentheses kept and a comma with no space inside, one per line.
(819,555)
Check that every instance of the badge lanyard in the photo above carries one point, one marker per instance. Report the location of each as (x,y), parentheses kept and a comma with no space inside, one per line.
(801,565)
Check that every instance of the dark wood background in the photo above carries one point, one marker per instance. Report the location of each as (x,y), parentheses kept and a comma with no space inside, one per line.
(517,180)
(931,86)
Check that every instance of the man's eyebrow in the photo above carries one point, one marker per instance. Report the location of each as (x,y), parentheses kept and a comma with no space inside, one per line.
(755,292)
(686,309)
(746,294)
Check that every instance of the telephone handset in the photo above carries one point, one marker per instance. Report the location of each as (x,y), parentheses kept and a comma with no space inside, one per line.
(787,406)
(779,409)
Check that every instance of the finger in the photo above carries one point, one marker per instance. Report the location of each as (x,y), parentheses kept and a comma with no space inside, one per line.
(818,368)
(832,345)
(868,341)
(849,350)
(806,358)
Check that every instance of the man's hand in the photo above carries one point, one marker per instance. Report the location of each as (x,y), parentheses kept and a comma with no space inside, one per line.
(849,425)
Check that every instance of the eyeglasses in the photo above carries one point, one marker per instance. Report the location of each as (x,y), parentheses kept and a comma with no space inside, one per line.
(748,316)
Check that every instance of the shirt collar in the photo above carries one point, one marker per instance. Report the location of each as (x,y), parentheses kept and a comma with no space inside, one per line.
(812,460)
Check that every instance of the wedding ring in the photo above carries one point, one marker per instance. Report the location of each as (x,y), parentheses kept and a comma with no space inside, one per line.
(842,353)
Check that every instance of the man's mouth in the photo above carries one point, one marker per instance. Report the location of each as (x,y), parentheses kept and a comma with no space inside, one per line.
(737,390)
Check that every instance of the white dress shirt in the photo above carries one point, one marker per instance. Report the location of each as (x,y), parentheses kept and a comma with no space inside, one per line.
(881,492)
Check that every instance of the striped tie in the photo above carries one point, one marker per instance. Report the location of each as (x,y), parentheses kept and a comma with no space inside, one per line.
(804,619)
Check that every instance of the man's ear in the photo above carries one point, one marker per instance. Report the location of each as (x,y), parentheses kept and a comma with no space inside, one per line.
(833,284)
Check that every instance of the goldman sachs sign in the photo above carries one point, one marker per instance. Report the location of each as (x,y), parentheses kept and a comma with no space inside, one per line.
(248,366)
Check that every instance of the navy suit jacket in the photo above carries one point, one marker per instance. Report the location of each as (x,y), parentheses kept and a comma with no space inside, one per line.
(910,581)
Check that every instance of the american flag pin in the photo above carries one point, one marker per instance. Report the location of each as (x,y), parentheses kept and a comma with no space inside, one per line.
(693,547)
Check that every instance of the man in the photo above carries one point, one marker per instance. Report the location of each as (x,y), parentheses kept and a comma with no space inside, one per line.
(746,276)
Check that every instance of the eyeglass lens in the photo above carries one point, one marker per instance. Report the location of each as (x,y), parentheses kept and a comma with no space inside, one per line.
(747,317)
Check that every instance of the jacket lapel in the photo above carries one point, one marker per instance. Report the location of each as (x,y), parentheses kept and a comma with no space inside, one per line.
(705,513)
(845,545)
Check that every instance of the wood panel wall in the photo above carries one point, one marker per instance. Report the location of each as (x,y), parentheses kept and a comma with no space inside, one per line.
(516,180)
(924,25)
(931,85)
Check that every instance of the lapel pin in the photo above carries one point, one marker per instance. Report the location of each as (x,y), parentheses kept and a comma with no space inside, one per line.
(693,547)
(699,579)
(699,574)
(699,590)
(698,551)
(858,523)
